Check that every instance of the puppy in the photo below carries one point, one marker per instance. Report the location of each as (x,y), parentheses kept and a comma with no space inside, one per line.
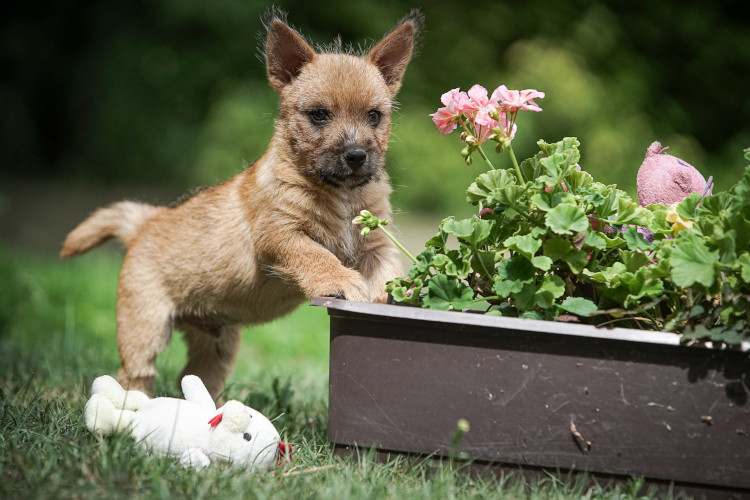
(255,247)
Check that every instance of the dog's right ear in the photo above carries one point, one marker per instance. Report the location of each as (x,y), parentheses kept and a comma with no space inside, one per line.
(286,53)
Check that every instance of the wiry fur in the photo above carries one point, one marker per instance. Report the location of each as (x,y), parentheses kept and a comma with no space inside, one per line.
(253,248)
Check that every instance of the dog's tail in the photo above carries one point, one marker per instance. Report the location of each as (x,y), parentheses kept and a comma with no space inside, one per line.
(120,220)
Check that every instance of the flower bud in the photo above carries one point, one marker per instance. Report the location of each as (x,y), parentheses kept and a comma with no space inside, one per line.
(462,425)
(365,231)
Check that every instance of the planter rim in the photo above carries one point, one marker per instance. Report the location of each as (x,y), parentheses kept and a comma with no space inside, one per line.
(480,320)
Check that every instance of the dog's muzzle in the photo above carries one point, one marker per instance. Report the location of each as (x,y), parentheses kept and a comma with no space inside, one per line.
(355,157)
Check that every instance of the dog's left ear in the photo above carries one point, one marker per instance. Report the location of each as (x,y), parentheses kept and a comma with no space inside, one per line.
(392,54)
(286,53)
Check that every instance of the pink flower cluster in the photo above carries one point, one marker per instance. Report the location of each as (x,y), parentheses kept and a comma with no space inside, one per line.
(484,113)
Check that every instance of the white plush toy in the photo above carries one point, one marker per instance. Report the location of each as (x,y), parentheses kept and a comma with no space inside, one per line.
(191,428)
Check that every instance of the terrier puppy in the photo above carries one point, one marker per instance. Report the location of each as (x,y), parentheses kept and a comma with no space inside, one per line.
(255,247)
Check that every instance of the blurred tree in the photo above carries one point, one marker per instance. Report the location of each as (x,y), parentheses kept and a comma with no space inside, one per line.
(171,90)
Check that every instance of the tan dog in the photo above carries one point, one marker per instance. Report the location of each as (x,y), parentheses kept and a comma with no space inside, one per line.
(255,247)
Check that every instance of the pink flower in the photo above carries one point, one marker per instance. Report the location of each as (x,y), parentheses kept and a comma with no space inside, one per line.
(480,108)
(445,118)
(517,100)
(509,128)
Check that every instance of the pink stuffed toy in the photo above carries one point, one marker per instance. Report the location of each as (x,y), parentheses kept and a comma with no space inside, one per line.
(665,179)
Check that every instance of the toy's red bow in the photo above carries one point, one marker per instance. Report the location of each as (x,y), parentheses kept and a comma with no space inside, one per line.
(285,454)
(215,421)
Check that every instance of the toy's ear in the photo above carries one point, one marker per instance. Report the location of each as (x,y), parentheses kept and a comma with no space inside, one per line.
(684,181)
(235,416)
(194,390)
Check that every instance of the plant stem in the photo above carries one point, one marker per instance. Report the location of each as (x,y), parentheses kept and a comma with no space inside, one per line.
(493,297)
(398,244)
(515,165)
(484,156)
(479,148)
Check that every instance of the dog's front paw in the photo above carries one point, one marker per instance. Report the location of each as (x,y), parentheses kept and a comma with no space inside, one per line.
(352,287)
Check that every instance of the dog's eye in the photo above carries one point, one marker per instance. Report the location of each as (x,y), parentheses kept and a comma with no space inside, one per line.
(247,436)
(319,116)
(374,117)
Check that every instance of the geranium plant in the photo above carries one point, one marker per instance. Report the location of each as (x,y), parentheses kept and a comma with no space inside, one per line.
(549,242)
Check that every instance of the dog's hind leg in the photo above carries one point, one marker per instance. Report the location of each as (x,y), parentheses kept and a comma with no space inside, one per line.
(212,352)
(144,328)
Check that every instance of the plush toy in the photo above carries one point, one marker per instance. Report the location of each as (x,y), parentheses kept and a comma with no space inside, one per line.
(666,179)
(191,428)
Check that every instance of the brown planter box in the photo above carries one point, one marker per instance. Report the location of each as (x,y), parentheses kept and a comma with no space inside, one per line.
(537,394)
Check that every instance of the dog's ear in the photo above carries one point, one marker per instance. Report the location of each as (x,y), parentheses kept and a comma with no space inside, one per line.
(392,54)
(286,53)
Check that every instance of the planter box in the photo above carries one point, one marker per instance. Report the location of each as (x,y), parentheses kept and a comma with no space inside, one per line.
(537,394)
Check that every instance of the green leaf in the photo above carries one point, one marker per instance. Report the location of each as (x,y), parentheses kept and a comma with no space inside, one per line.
(546,201)
(579,306)
(577,261)
(561,249)
(716,205)
(483,262)
(744,263)
(541,262)
(542,200)
(530,167)
(551,288)
(524,299)
(594,199)
(641,285)
(567,219)
(446,293)
(595,240)
(509,195)
(494,180)
(424,261)
(692,262)
(404,290)
(610,204)
(438,241)
(608,274)
(459,268)
(635,240)
(526,245)
(578,179)
(474,230)
(630,212)
(634,260)
(512,275)
(531,315)
(568,143)
(554,166)
(687,208)
(557,248)
(516,268)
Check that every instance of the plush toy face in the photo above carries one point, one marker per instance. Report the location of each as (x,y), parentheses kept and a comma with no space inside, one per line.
(666,179)
(241,434)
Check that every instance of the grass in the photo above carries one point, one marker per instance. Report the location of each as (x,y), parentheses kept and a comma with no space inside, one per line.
(57,334)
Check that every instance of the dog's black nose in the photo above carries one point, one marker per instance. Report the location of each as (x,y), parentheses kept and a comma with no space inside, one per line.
(355,157)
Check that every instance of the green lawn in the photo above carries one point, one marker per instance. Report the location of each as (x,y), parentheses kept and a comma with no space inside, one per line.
(57,334)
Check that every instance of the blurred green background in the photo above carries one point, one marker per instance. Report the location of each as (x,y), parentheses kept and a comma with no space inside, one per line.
(171,92)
